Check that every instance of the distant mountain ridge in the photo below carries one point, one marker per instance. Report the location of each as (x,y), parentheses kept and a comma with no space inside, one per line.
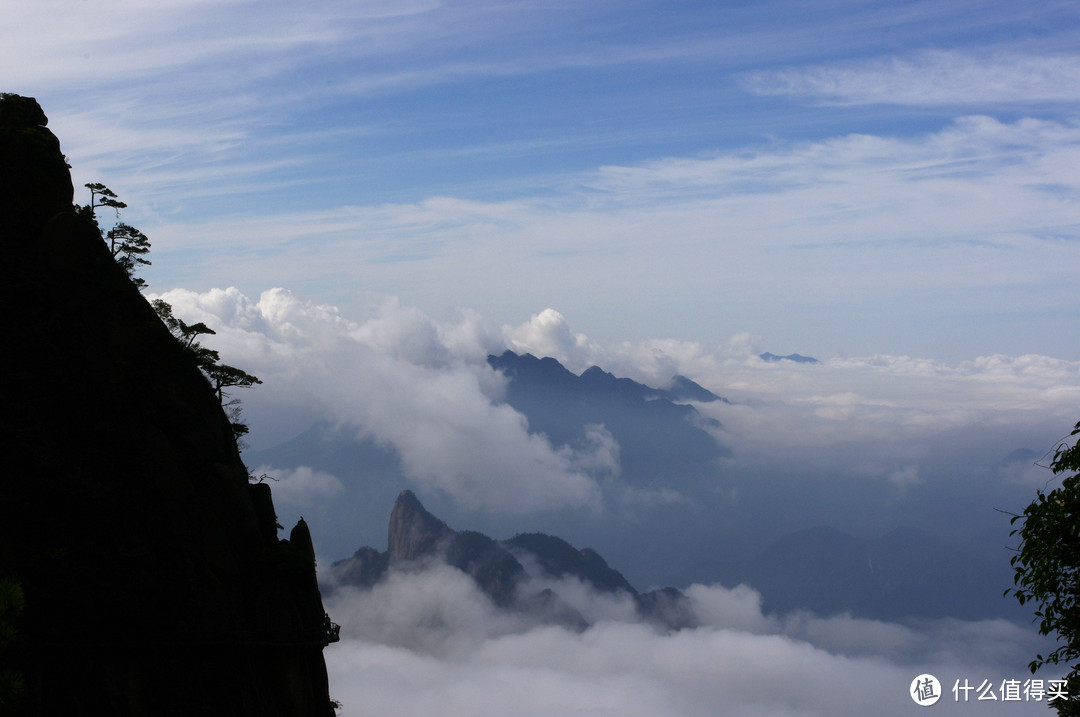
(659,434)
(499,570)
(598,381)
(796,358)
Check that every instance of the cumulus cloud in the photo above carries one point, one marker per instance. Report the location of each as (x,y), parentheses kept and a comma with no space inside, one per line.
(409,383)
(427,640)
(422,388)
(548,334)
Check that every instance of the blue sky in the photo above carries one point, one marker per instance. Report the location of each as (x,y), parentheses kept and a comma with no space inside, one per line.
(838,178)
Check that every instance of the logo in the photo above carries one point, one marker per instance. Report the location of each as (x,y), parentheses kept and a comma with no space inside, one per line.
(925,690)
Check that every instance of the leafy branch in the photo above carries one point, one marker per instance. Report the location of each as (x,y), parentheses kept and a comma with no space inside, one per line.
(1046,566)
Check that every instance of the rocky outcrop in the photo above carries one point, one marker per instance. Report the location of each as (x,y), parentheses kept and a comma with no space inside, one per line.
(415,535)
(416,538)
(413,532)
(35,184)
(154,580)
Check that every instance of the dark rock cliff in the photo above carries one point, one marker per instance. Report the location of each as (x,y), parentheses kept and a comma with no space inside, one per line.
(154,580)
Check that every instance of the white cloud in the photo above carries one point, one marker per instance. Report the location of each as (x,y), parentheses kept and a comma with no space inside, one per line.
(407,382)
(600,453)
(933,77)
(208,39)
(428,641)
(300,484)
(547,334)
(453,616)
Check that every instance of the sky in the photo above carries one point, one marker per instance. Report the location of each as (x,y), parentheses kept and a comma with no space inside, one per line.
(839,178)
(364,199)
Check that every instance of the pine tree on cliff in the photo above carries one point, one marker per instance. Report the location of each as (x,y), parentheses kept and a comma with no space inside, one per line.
(221,376)
(128,245)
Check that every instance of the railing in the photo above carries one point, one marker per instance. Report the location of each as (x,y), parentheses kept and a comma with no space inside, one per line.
(332,629)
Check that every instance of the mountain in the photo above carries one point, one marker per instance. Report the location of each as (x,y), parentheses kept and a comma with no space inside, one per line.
(663,441)
(558,559)
(796,358)
(501,569)
(682,388)
(149,569)
(1024,456)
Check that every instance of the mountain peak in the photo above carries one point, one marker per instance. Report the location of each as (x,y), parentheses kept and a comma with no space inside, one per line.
(595,372)
(413,531)
(684,388)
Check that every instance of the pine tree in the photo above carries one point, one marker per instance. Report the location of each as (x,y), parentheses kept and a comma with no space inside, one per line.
(127,244)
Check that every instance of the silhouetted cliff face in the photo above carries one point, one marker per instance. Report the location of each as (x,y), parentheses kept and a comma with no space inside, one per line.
(154,579)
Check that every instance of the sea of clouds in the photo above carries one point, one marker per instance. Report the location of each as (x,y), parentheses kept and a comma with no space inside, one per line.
(428,642)
(911,429)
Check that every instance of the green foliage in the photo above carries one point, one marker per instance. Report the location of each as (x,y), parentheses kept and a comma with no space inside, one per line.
(102,196)
(127,244)
(1047,566)
(223,376)
(187,335)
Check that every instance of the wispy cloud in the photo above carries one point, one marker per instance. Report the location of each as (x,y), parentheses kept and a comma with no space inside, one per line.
(933,77)
(976,218)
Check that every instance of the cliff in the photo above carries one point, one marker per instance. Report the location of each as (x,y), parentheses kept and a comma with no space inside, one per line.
(154,582)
